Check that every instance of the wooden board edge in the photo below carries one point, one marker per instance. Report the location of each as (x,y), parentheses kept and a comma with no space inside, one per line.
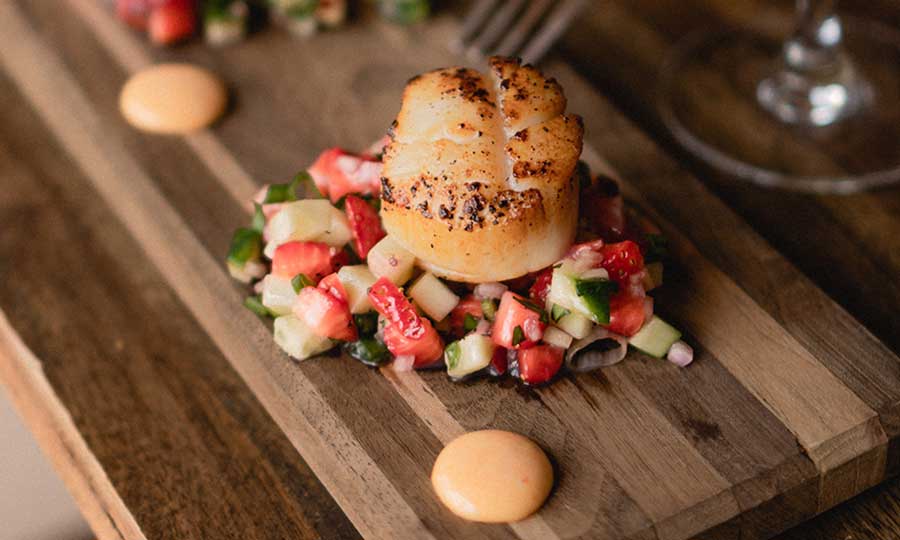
(22,374)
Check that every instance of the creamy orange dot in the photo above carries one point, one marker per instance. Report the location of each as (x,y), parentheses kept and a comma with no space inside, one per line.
(492,476)
(172,99)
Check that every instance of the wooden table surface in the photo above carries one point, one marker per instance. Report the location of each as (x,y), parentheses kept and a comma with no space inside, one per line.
(71,278)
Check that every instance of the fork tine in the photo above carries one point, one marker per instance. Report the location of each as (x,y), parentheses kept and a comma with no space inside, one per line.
(495,28)
(473,21)
(523,26)
(554,27)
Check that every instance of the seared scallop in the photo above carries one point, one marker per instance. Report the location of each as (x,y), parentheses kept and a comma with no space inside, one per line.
(478,179)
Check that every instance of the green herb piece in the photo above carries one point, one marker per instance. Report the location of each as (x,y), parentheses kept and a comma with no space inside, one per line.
(533,306)
(595,293)
(518,336)
(279,193)
(259,218)
(310,190)
(557,312)
(469,323)
(489,308)
(246,245)
(369,351)
(657,248)
(300,281)
(254,304)
(452,354)
(366,323)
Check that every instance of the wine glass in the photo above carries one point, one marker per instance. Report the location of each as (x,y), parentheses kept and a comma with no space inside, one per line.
(819,111)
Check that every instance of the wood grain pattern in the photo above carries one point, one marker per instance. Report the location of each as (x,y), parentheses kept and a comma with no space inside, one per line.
(615,435)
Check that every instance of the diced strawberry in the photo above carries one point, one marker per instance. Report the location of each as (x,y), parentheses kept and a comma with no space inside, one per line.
(515,325)
(467,306)
(622,260)
(332,284)
(365,225)
(426,349)
(626,314)
(541,286)
(539,364)
(172,21)
(339,259)
(337,173)
(325,314)
(499,362)
(134,13)
(389,300)
(311,258)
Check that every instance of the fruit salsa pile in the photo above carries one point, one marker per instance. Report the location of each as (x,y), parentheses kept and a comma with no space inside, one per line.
(323,267)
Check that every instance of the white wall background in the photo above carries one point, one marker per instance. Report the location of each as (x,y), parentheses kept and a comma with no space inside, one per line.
(34,504)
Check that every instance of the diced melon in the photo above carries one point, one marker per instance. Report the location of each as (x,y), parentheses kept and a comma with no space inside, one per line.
(655,337)
(297,340)
(555,336)
(278,294)
(389,259)
(562,292)
(576,325)
(356,281)
(435,298)
(468,355)
(338,233)
(311,220)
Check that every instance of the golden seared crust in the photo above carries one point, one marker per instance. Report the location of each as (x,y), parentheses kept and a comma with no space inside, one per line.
(475,195)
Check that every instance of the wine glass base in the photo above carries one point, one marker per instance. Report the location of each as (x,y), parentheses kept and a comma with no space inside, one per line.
(723,98)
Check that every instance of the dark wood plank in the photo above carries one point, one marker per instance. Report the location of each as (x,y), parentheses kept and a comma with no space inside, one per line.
(182,439)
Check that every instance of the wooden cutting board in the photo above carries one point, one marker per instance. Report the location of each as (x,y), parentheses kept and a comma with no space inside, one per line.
(789,408)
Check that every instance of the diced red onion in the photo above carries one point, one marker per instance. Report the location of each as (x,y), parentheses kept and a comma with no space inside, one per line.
(271,209)
(581,358)
(532,329)
(403,363)
(489,291)
(680,354)
(483,327)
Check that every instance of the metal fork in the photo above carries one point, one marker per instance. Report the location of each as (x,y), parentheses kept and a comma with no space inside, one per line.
(524,28)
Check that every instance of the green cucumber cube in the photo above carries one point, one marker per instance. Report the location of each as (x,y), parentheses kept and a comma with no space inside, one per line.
(655,338)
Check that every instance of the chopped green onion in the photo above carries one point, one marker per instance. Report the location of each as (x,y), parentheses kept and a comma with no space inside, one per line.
(470,322)
(489,308)
(518,336)
(595,293)
(254,304)
(452,354)
(300,281)
(259,218)
(557,312)
(246,245)
(657,248)
(366,323)
(369,351)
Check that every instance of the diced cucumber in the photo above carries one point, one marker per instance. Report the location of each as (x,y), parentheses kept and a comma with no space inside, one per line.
(356,280)
(555,336)
(278,294)
(338,233)
(653,277)
(389,259)
(563,292)
(299,220)
(247,272)
(435,298)
(369,351)
(576,325)
(595,293)
(297,340)
(468,355)
(655,337)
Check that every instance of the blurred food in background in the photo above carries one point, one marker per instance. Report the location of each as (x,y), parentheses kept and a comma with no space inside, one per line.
(222,22)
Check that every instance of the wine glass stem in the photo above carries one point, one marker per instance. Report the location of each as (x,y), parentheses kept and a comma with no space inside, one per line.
(816,41)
